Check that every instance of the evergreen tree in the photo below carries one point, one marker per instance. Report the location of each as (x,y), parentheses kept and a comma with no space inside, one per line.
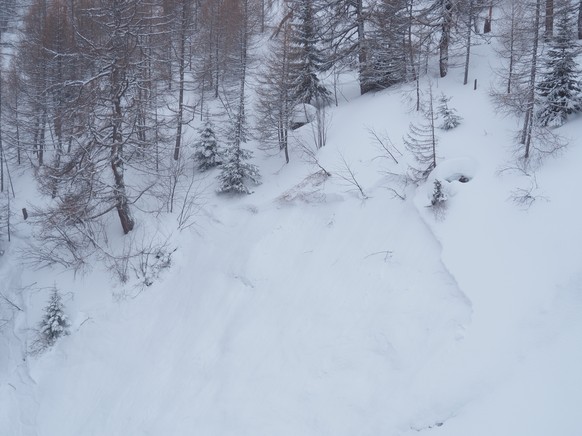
(306,58)
(559,89)
(236,172)
(55,323)
(387,46)
(207,154)
(345,31)
(449,117)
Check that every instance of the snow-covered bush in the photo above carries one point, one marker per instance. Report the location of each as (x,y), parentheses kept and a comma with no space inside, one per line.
(438,195)
(438,200)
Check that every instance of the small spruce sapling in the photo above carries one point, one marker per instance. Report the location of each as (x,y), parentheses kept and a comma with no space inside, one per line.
(207,153)
(54,323)
(439,200)
(449,117)
(438,196)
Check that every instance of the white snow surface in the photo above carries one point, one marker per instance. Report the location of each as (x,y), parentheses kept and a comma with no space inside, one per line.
(304,309)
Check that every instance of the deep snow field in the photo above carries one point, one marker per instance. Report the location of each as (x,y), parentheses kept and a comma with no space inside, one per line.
(304,309)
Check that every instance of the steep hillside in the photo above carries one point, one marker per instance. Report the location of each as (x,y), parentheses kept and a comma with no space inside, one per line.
(306,309)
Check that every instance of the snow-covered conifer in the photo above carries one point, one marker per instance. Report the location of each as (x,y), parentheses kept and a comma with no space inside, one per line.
(207,153)
(448,115)
(54,323)
(306,58)
(236,172)
(559,89)
(386,52)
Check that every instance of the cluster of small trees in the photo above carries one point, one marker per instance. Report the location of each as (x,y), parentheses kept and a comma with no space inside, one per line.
(540,81)
(96,95)
(96,98)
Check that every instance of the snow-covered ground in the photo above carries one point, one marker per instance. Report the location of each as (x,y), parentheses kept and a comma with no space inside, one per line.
(304,309)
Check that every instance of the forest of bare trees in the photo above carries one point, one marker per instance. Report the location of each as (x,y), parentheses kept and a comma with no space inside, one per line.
(96,96)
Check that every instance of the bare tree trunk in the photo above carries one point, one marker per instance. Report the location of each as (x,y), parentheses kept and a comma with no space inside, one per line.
(58,116)
(445,38)
(119,86)
(41,136)
(15,111)
(410,43)
(285,146)
(549,19)
(468,42)
(511,49)
(432,127)
(239,133)
(527,131)
(362,49)
(181,60)
(580,20)
(263,12)
(1,142)
(488,20)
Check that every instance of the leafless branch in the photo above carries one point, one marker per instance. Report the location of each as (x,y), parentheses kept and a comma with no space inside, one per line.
(11,303)
(347,174)
(387,255)
(385,144)
(310,156)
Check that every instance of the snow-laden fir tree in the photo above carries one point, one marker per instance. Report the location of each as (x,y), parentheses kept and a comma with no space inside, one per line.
(386,60)
(559,89)
(207,154)
(306,60)
(236,171)
(421,142)
(448,115)
(54,323)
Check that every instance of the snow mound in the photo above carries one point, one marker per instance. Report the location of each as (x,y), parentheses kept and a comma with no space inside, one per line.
(309,191)
(452,173)
(461,169)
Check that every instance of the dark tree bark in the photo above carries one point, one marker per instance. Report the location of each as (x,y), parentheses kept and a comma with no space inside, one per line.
(527,131)
(549,19)
(184,19)
(118,88)
(468,42)
(445,37)
(362,44)
(488,20)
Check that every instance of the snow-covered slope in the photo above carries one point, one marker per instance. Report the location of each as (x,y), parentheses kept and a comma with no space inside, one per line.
(304,309)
